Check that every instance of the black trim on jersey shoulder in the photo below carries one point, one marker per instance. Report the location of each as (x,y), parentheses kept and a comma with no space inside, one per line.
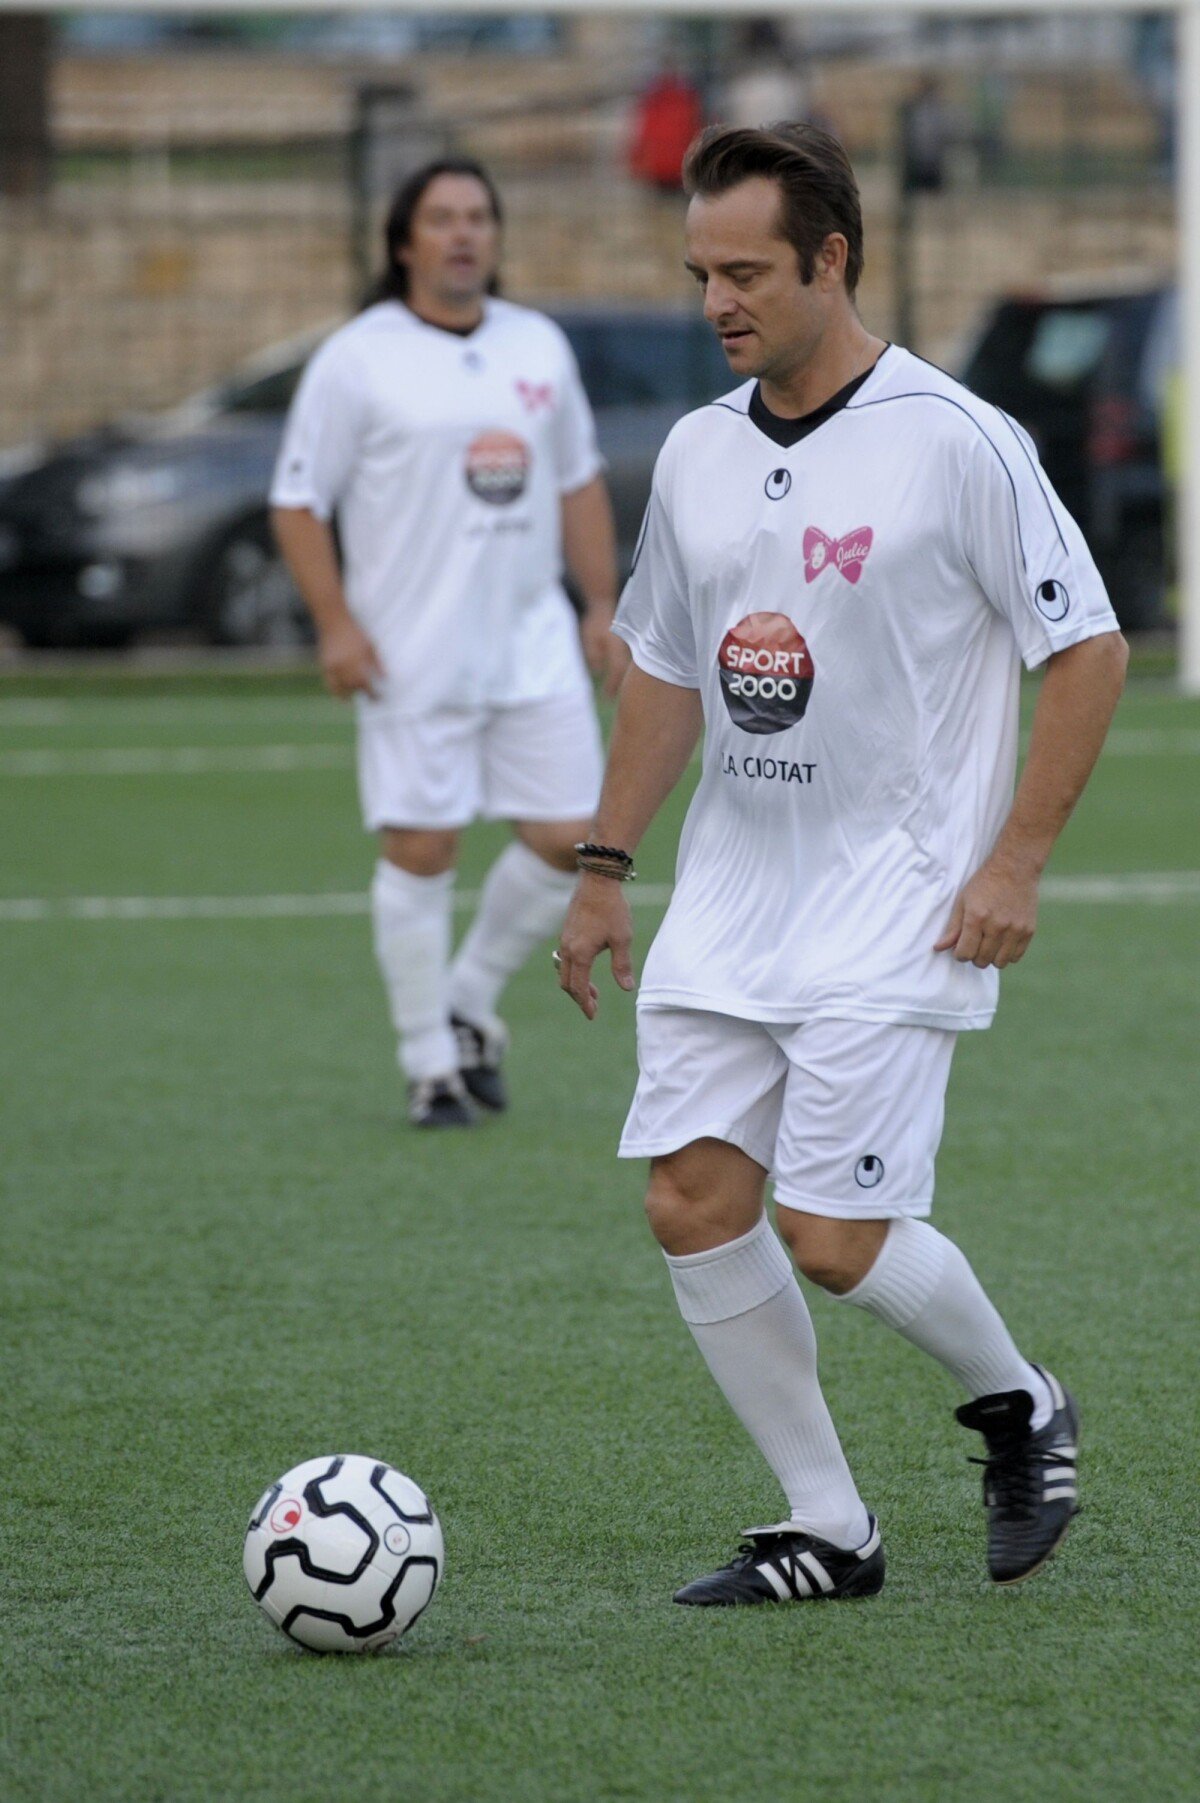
(1037,471)
(927,394)
(1038,476)
(642,529)
(787,432)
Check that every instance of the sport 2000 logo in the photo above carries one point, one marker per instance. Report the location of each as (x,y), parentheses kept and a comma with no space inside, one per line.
(766,673)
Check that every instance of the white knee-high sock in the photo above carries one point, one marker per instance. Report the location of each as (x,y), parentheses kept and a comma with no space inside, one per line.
(411,920)
(523,902)
(922,1285)
(751,1323)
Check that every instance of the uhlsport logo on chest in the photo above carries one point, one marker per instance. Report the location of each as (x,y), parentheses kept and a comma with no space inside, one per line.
(766,673)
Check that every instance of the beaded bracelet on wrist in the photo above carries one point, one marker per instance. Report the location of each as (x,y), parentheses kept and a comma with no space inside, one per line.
(605,860)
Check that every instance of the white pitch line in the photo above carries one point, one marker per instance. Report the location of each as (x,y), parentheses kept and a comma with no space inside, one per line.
(179,760)
(169,710)
(1129,887)
(282,759)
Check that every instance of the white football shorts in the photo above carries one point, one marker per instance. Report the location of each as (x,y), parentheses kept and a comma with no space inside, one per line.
(846,1115)
(537,760)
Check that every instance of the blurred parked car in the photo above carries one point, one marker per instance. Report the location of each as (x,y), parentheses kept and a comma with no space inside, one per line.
(162,522)
(1086,369)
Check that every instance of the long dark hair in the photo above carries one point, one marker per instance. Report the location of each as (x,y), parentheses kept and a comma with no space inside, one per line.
(817,185)
(397,231)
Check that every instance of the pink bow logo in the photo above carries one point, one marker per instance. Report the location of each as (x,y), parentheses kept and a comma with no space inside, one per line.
(536,395)
(847,554)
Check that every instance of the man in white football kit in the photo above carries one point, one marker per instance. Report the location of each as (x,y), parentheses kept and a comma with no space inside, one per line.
(449,432)
(843,563)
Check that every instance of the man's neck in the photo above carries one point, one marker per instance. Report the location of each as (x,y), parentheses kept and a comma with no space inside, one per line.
(842,354)
(447,315)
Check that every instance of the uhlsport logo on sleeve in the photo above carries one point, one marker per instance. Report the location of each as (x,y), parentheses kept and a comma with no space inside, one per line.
(766,673)
(497,467)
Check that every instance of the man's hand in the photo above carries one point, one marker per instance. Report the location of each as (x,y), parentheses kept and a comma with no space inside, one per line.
(349,661)
(994,918)
(607,655)
(598,916)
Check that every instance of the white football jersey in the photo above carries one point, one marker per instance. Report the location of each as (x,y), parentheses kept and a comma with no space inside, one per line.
(445,458)
(852,595)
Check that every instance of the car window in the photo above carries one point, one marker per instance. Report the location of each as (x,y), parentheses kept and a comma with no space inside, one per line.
(270,393)
(1066,347)
(1035,356)
(632,361)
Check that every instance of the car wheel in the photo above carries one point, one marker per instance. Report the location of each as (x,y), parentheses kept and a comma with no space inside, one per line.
(252,599)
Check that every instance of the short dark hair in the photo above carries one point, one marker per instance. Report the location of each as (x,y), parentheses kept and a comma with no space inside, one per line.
(818,192)
(397,230)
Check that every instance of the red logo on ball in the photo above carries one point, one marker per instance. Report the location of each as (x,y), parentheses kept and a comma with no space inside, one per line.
(497,467)
(286,1514)
(766,673)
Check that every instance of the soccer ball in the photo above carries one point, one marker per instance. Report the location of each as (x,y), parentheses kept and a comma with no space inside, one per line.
(343,1554)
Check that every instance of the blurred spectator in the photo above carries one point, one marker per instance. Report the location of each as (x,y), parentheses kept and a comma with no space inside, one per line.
(667,117)
(766,85)
(925,136)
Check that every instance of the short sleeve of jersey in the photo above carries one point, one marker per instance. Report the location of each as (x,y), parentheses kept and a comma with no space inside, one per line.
(1028,555)
(654,618)
(576,456)
(322,436)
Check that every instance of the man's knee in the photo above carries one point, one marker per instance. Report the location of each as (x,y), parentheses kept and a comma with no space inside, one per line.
(834,1254)
(702,1197)
(420,851)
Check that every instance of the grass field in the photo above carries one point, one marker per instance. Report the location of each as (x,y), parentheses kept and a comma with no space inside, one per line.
(220,1253)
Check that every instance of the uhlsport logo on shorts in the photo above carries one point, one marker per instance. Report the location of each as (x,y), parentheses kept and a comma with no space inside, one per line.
(766,673)
(498,467)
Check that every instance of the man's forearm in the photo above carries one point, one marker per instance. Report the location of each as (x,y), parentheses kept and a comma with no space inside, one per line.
(308,549)
(1079,695)
(590,545)
(655,732)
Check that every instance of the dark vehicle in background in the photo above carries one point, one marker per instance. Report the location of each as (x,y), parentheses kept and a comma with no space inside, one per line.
(1087,373)
(162,523)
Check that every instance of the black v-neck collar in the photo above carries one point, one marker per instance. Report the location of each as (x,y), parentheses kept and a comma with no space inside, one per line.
(787,432)
(450,331)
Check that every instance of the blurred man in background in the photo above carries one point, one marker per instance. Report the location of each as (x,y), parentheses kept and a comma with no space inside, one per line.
(449,432)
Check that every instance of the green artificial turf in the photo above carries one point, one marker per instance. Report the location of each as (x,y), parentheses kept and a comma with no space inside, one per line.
(220,1253)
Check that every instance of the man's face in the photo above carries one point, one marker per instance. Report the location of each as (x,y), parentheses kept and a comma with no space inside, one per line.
(768,320)
(454,241)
